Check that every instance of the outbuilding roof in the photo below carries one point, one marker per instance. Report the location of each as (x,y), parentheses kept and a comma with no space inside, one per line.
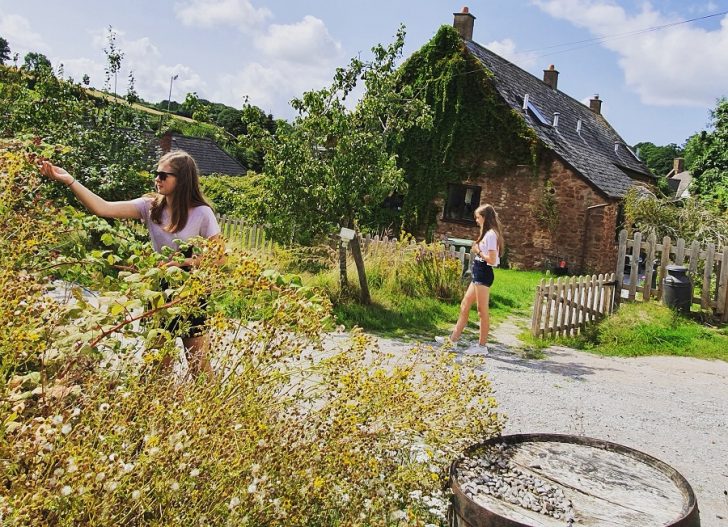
(210,158)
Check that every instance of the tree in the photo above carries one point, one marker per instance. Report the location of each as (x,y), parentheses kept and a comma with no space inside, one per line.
(710,167)
(114,57)
(659,159)
(4,50)
(37,63)
(334,164)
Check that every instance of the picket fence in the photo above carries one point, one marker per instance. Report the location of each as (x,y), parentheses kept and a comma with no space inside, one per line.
(707,267)
(566,306)
(244,235)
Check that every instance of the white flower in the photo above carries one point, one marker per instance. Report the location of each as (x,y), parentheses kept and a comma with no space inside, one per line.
(66,490)
(58,472)
(100,476)
(237,427)
(76,412)
(234,502)
(135,495)
(103,407)
(179,446)
(153,451)
(111,486)
(174,486)
(57,419)
(66,429)
(252,487)
(127,467)
(194,472)
(398,515)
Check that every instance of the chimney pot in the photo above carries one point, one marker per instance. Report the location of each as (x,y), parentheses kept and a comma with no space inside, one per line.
(556,119)
(551,77)
(678,165)
(464,23)
(525,102)
(578,126)
(595,104)
(616,147)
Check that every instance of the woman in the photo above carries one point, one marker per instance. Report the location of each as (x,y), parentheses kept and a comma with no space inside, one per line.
(486,250)
(176,213)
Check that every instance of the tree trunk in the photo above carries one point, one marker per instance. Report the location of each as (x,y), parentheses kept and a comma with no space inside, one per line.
(343,280)
(359,261)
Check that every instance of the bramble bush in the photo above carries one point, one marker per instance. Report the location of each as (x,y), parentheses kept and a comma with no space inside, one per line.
(294,429)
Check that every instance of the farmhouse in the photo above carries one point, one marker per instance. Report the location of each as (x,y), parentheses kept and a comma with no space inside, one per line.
(553,167)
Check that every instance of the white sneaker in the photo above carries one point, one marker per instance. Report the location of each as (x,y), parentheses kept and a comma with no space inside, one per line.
(446,340)
(477,349)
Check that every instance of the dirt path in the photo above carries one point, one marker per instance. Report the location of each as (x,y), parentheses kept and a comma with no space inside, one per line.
(673,408)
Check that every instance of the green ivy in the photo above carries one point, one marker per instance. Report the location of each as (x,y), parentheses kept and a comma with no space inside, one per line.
(472,124)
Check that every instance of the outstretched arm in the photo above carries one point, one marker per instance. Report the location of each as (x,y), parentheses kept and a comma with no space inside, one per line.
(95,204)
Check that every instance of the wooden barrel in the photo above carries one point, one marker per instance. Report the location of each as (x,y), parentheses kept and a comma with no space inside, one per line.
(553,480)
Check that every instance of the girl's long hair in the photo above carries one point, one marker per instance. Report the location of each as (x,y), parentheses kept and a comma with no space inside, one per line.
(491,221)
(187,193)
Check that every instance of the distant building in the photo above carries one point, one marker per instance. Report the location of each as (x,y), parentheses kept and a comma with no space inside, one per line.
(210,158)
(679,179)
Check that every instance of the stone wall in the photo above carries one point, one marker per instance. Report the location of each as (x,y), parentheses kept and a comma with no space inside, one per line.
(583,235)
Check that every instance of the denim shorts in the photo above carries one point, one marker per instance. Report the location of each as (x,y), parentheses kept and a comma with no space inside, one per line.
(482,273)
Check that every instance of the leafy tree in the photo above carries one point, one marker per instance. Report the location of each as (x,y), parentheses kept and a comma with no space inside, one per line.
(114,57)
(4,50)
(334,164)
(710,168)
(659,159)
(37,63)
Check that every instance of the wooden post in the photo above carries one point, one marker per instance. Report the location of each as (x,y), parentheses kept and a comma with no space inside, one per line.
(620,264)
(723,287)
(664,262)
(707,277)
(536,317)
(549,292)
(680,252)
(634,268)
(649,267)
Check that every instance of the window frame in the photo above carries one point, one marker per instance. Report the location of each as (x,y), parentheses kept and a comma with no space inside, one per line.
(475,203)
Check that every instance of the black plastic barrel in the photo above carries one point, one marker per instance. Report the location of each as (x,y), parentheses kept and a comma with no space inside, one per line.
(677,288)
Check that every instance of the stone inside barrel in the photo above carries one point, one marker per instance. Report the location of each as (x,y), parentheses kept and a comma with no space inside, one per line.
(555,480)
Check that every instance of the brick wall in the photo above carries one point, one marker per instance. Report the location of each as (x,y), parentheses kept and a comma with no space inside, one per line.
(584,235)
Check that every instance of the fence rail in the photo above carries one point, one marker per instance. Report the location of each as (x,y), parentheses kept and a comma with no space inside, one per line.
(244,235)
(566,306)
(451,250)
(642,266)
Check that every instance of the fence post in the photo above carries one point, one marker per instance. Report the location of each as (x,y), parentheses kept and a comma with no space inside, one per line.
(649,267)
(723,287)
(536,318)
(707,276)
(620,263)
(664,261)
(634,268)
(680,253)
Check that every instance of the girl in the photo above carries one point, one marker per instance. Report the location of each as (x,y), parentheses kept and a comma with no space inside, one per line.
(177,212)
(486,250)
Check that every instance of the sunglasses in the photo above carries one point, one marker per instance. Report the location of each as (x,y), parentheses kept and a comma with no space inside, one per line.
(163,175)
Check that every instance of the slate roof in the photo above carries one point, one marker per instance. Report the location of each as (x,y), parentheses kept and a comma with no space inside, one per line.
(210,158)
(591,152)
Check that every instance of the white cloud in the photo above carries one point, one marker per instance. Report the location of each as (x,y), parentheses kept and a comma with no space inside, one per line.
(20,36)
(240,14)
(307,41)
(679,65)
(506,48)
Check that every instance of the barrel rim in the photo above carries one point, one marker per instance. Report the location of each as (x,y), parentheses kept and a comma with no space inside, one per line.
(690,514)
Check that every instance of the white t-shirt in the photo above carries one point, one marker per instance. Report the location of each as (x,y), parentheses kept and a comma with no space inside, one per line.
(490,243)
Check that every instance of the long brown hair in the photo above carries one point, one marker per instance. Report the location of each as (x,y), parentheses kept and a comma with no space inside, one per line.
(491,221)
(187,192)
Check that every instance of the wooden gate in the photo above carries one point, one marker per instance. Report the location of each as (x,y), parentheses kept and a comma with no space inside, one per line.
(565,306)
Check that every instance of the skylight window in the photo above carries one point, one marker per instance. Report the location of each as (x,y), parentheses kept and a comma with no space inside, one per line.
(538,114)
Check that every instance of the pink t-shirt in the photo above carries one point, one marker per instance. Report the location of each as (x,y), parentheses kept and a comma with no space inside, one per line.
(490,243)
(201,221)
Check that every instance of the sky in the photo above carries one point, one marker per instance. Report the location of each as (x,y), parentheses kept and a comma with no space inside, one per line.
(658,83)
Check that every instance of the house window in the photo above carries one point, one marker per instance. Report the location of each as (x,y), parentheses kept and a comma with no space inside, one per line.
(462,200)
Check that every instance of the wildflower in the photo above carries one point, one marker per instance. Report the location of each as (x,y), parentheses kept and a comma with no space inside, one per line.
(253,487)
(100,476)
(66,490)
(174,486)
(57,419)
(104,407)
(398,515)
(66,429)
(127,467)
(194,472)
(76,412)
(153,451)
(58,472)
(111,486)
(135,495)
(234,502)
(179,446)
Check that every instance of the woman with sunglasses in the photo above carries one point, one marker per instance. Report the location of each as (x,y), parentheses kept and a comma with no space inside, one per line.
(176,213)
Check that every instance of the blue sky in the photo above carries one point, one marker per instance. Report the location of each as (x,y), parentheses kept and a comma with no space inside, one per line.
(656,85)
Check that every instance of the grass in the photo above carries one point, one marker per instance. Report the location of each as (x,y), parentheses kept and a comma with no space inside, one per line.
(642,329)
(397,315)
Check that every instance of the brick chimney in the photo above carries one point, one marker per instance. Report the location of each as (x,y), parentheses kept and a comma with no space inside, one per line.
(595,104)
(551,77)
(678,165)
(463,23)
(165,142)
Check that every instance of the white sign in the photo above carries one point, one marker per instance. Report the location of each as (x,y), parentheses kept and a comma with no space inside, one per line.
(347,234)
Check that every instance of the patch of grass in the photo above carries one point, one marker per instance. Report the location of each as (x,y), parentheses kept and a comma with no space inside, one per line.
(642,329)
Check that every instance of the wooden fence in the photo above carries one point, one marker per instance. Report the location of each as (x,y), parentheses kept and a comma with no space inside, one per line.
(244,235)
(707,266)
(566,306)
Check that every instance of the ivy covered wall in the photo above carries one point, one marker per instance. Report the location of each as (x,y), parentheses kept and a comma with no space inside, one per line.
(472,124)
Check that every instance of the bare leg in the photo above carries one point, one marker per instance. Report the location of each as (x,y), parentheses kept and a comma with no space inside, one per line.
(483,296)
(468,299)
(197,351)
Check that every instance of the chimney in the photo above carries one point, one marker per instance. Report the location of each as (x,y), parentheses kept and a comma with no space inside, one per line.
(463,23)
(551,77)
(595,105)
(165,142)
(678,165)
(556,119)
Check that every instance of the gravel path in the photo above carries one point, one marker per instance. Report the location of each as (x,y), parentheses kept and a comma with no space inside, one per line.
(673,408)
